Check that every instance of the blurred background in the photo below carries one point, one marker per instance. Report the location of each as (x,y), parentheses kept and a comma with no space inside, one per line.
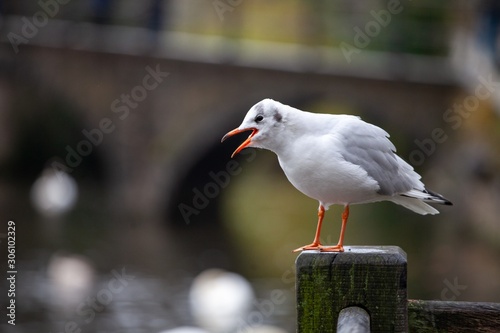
(130,215)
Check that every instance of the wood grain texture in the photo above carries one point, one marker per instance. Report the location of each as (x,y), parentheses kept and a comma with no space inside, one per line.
(453,317)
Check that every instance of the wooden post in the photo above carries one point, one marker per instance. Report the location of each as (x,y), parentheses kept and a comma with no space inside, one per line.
(372,278)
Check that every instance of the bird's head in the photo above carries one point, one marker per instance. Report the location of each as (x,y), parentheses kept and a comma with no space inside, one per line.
(265,119)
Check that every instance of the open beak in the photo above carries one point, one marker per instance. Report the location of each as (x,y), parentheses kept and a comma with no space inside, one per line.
(245,143)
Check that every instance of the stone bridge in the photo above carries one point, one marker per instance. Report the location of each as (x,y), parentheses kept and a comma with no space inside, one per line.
(149,121)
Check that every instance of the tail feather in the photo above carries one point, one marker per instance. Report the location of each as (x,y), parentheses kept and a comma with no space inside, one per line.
(416,200)
(416,205)
(427,196)
(438,198)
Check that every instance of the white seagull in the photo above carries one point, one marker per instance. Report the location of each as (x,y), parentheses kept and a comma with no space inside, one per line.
(335,159)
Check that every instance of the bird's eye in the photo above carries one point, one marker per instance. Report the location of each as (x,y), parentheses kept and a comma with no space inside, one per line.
(259,118)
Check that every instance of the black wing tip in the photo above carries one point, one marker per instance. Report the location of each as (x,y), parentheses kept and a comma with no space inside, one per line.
(438,196)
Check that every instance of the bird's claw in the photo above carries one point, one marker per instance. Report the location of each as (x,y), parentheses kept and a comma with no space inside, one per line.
(321,248)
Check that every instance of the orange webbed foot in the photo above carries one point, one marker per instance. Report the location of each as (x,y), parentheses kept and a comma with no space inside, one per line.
(336,248)
(321,248)
(312,246)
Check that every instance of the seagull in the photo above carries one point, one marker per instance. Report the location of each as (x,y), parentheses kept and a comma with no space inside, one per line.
(335,159)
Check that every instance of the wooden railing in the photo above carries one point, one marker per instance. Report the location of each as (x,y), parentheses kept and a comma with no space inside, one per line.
(364,290)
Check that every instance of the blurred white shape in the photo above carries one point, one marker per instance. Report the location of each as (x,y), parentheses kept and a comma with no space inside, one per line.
(71,279)
(220,300)
(185,329)
(265,329)
(54,193)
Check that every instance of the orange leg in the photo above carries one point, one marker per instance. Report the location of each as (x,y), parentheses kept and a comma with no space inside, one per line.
(316,245)
(340,245)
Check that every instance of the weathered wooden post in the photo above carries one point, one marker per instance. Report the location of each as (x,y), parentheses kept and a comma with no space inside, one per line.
(371,278)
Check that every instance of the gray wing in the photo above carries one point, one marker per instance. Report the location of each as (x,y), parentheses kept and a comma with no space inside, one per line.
(369,147)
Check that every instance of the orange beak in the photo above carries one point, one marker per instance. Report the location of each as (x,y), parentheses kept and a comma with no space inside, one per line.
(245,143)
